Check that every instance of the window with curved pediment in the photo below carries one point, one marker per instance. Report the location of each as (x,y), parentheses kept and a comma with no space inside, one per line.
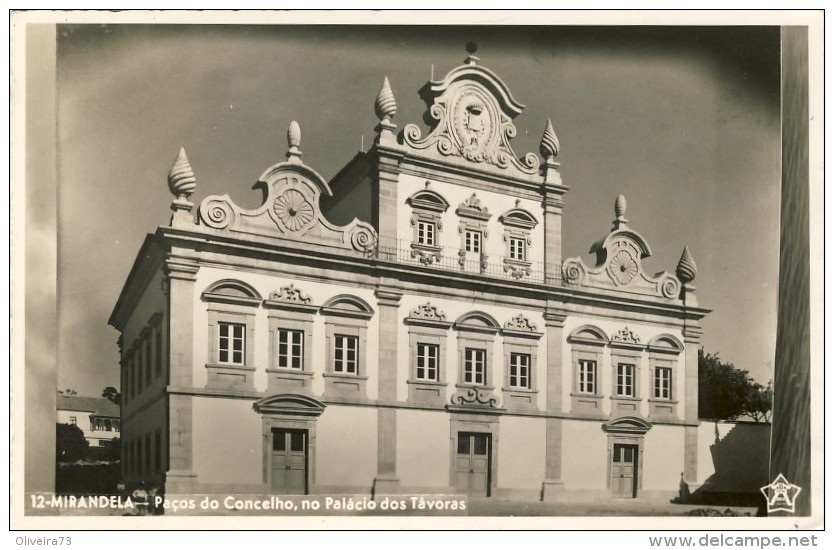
(587,345)
(664,352)
(518,226)
(472,228)
(346,328)
(427,334)
(231,306)
(427,208)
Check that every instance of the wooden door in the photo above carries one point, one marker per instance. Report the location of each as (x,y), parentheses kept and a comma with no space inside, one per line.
(289,461)
(624,471)
(472,463)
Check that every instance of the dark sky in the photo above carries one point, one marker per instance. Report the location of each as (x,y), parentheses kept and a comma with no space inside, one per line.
(684,121)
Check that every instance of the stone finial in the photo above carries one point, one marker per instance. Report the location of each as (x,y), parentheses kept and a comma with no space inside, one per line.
(619,212)
(181,180)
(294,142)
(549,146)
(686,269)
(471,48)
(620,206)
(385,105)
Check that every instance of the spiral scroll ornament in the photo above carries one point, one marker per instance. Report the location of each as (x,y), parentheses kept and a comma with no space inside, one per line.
(670,287)
(385,105)
(293,209)
(474,396)
(216,213)
(572,271)
(181,180)
(363,239)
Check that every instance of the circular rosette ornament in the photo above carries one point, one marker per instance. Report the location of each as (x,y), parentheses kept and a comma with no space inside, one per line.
(624,267)
(293,209)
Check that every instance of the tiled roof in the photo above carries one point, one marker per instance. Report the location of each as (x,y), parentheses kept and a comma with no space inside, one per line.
(98,405)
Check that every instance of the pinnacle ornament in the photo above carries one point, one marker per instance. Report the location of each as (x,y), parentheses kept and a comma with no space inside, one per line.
(181,180)
(686,269)
(385,105)
(549,146)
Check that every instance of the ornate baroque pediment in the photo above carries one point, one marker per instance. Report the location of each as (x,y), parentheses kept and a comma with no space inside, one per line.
(471,114)
(290,210)
(619,264)
(621,269)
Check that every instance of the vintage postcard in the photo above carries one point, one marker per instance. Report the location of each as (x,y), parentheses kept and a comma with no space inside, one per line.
(417,270)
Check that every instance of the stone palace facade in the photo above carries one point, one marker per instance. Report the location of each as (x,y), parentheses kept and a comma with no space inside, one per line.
(408,327)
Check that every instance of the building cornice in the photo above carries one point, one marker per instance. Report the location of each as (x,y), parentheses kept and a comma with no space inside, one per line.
(324,264)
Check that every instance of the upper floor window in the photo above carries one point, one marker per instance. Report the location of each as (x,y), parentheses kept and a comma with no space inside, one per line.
(518,227)
(346,327)
(345,358)
(290,312)
(426,233)
(587,378)
(290,349)
(587,344)
(428,359)
(473,217)
(520,370)
(472,241)
(427,335)
(231,343)
(664,353)
(73,420)
(476,337)
(518,249)
(158,350)
(231,306)
(625,380)
(427,208)
(662,383)
(475,366)
(521,343)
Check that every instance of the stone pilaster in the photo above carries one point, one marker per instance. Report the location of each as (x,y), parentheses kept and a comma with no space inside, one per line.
(388,157)
(386,480)
(692,339)
(553,487)
(181,273)
(553,204)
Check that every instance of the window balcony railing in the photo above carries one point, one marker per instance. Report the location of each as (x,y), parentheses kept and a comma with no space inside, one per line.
(458,260)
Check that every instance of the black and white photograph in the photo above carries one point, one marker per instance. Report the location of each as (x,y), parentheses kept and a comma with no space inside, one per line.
(415,270)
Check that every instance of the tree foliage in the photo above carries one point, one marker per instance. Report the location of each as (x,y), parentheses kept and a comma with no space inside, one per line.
(727,393)
(70,443)
(112,394)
